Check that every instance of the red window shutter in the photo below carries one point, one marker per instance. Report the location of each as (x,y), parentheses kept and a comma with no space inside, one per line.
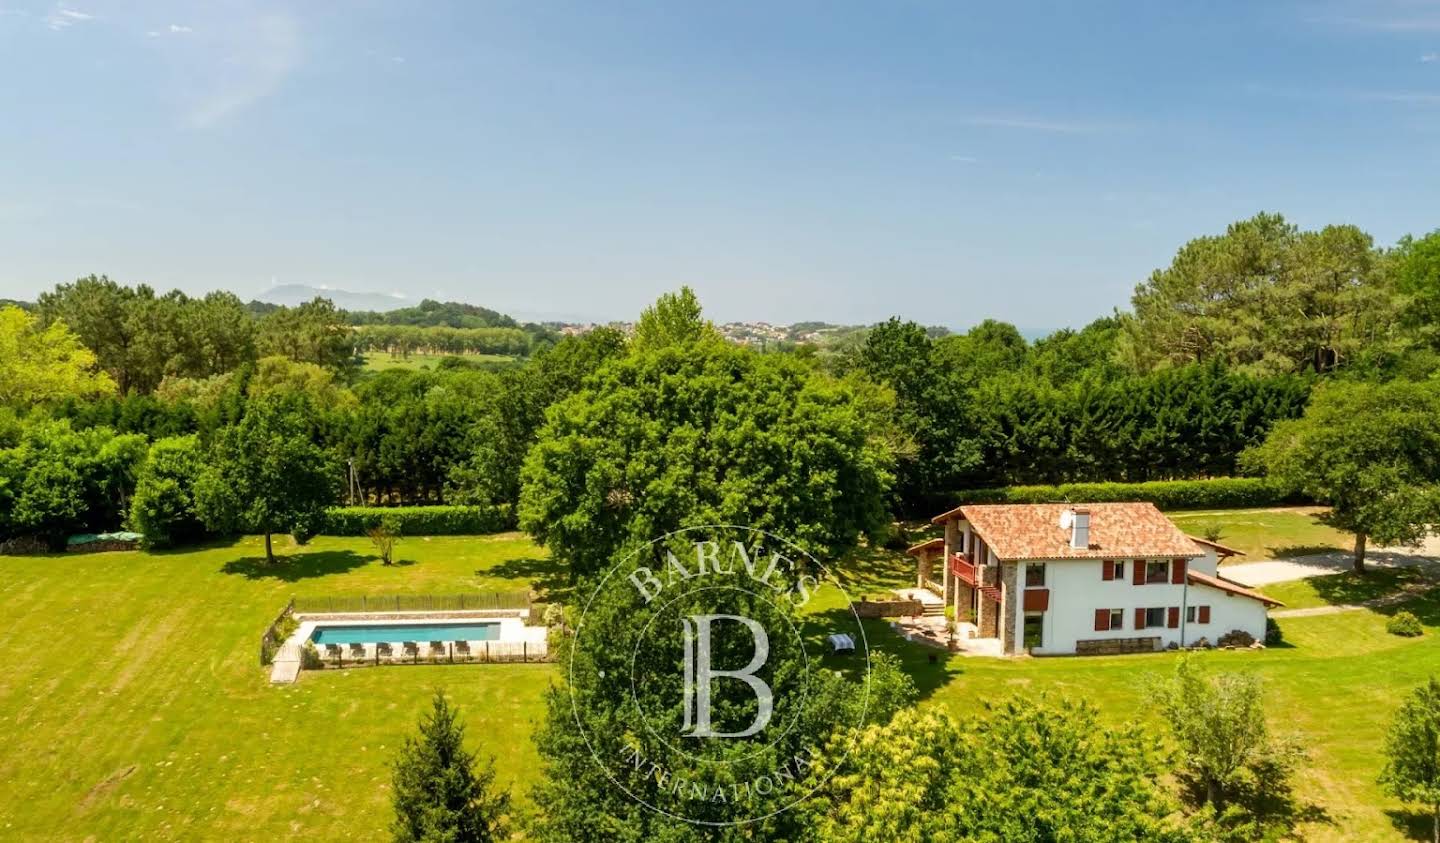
(1139,566)
(1139,618)
(1204,614)
(1102,620)
(1174,617)
(1177,571)
(1109,569)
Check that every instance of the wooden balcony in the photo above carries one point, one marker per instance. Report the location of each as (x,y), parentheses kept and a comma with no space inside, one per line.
(963,569)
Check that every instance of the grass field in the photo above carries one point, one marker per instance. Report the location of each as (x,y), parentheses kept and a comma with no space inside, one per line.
(376,361)
(1266,533)
(133,704)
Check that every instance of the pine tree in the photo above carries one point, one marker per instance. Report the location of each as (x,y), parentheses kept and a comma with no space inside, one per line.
(440,793)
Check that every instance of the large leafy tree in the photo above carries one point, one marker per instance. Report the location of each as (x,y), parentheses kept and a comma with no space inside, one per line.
(267,475)
(1370,451)
(44,364)
(1264,296)
(1025,770)
(703,433)
(625,718)
(441,792)
(1412,752)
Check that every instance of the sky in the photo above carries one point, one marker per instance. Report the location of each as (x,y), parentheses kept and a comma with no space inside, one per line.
(945,162)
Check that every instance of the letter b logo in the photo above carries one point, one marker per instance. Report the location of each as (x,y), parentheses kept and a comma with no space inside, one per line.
(699,675)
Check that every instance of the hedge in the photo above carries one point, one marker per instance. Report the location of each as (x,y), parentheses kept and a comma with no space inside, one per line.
(419,520)
(1212,493)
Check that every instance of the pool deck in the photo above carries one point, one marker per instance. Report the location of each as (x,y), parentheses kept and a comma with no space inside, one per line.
(517,641)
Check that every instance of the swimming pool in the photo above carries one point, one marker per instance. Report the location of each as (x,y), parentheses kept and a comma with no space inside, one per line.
(375,633)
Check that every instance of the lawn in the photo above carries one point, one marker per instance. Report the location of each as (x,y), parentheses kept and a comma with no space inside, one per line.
(1266,533)
(134,706)
(376,361)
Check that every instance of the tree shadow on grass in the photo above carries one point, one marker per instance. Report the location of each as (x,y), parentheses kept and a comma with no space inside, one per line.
(298,566)
(931,669)
(1296,551)
(1415,825)
(549,577)
(1352,588)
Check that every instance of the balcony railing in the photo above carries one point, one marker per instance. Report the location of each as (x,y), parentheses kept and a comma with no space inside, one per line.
(961,567)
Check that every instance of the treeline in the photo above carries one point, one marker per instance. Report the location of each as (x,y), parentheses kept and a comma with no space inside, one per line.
(1171,391)
(141,338)
(404,340)
(433,314)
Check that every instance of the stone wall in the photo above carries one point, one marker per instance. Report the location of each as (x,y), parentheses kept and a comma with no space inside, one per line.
(1116,646)
(1010,581)
(887,608)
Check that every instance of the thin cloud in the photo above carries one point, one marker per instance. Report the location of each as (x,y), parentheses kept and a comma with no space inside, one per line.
(172,29)
(1428,58)
(965,159)
(1034,124)
(64,17)
(262,58)
(1424,23)
(1332,95)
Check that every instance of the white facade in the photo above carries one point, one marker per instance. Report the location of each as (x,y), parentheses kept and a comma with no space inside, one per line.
(1077,590)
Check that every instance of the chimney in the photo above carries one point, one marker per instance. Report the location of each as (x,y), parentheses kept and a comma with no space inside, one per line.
(1080,529)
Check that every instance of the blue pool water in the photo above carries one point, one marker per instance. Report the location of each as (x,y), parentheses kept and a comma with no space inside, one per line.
(481,631)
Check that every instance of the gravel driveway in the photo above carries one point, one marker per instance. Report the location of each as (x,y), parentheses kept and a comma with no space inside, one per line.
(1269,571)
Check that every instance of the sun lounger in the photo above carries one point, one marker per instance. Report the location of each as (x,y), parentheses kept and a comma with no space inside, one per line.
(357,651)
(411,650)
(383,650)
(842,643)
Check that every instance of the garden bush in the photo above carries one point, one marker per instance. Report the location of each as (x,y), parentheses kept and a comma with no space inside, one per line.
(419,520)
(1273,635)
(1404,623)
(1211,493)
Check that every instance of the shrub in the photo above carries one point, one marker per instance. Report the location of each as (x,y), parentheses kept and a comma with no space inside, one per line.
(418,520)
(1273,635)
(163,506)
(1212,493)
(1404,623)
(310,657)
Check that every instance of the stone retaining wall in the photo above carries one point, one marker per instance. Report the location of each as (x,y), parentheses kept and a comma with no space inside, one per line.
(1116,646)
(887,608)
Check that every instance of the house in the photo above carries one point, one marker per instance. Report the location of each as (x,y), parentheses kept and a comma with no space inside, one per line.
(1051,579)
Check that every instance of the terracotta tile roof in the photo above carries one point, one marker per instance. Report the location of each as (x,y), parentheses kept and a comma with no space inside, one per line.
(1220,549)
(932,544)
(1117,530)
(1230,587)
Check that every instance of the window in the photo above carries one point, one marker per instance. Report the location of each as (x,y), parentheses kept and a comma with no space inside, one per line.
(1190,614)
(1157,571)
(1034,630)
(1034,575)
(1119,569)
(1117,618)
(1154,617)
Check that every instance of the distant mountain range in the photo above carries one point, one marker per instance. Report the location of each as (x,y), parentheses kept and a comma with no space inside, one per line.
(291,295)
